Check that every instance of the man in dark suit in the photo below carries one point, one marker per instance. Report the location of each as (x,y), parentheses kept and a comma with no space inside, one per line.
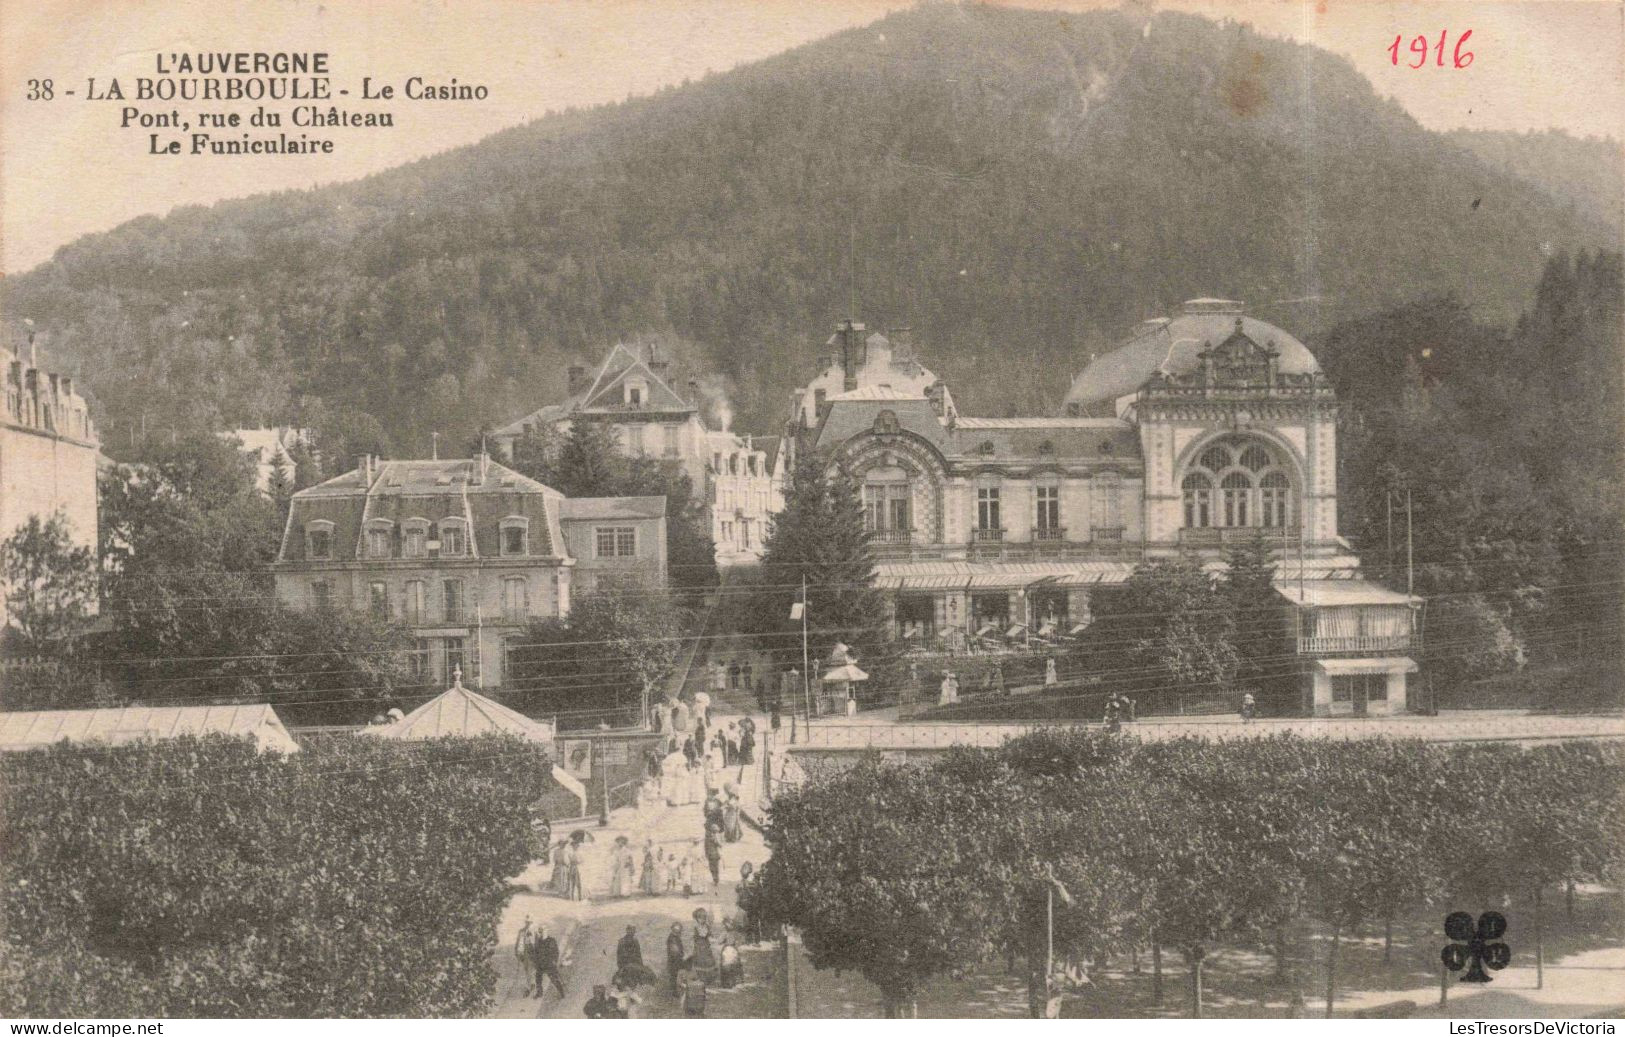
(545,957)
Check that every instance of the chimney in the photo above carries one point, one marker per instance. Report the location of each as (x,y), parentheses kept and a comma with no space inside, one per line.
(67,385)
(851,335)
(578,379)
(937,397)
(366,466)
(694,391)
(482,466)
(657,366)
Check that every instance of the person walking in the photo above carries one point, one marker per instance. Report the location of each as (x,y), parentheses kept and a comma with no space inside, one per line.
(676,955)
(545,960)
(682,873)
(696,866)
(1248,708)
(1050,679)
(731,830)
(713,808)
(524,953)
(647,878)
(747,740)
(620,863)
(713,854)
(573,887)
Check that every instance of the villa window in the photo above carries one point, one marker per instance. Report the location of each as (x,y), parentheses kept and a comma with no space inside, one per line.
(454,600)
(412,601)
(1048,517)
(453,539)
(987,508)
(321,594)
(515,533)
(616,542)
(319,541)
(671,440)
(378,541)
(415,540)
(378,598)
(1107,498)
(515,598)
(886,507)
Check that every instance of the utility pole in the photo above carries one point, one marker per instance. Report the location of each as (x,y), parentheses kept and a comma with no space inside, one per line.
(1410,571)
(806,666)
(603,782)
(434,445)
(1389,500)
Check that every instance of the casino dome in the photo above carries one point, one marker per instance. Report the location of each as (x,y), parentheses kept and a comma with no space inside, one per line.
(1171,346)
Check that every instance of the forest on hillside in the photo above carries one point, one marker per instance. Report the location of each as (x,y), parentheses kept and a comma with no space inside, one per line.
(1017,186)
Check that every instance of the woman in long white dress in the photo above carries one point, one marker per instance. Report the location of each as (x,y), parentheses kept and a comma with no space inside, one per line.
(696,783)
(673,778)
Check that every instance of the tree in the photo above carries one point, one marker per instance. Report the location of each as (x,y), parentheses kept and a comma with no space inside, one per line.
(185,541)
(50,585)
(691,554)
(605,660)
(280,486)
(819,538)
(1248,590)
(588,460)
(536,453)
(887,870)
(1166,628)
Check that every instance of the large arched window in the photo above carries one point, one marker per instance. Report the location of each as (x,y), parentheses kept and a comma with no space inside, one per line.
(1238,481)
(1198,500)
(1274,496)
(1234,489)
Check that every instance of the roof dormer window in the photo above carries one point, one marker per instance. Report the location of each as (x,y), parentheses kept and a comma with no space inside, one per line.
(515,535)
(636,393)
(319,540)
(453,538)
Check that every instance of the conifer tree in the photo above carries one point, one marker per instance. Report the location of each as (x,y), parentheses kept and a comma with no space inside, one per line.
(589,464)
(819,536)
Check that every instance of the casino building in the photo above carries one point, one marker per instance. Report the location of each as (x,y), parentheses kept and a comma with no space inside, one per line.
(1197,430)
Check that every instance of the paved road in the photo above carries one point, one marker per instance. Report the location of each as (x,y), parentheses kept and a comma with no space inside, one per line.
(589,930)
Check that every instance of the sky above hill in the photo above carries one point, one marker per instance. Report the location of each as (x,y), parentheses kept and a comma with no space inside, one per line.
(66,168)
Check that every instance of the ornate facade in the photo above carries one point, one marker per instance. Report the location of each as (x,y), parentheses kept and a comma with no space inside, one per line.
(1198,430)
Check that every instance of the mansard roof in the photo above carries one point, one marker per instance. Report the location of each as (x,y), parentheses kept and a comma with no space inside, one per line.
(400,491)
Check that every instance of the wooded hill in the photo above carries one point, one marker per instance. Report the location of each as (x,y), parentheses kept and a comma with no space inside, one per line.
(1020,187)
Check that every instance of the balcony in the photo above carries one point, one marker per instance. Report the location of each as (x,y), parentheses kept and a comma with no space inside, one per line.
(986,536)
(1051,535)
(890,536)
(1360,643)
(1222,536)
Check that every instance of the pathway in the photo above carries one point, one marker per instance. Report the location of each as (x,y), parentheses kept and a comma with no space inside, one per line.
(589,930)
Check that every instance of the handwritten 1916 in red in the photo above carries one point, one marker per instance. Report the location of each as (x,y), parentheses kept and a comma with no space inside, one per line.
(1420,46)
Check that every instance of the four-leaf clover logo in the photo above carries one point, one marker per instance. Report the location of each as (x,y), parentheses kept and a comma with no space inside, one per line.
(1477,946)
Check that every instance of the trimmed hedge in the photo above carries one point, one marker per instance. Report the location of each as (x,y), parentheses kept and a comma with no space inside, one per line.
(198,877)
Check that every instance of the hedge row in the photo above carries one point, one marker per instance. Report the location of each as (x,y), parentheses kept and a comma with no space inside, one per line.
(197,877)
(905,872)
